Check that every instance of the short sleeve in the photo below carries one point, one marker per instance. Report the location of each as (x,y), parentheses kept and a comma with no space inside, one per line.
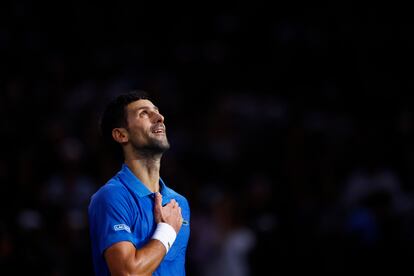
(110,217)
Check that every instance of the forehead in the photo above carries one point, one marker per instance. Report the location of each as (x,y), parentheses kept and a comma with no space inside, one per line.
(140,104)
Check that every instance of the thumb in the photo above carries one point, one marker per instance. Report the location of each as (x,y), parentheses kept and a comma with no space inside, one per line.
(157,207)
(158,201)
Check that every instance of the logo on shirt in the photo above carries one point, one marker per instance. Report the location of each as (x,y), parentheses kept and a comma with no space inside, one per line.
(120,227)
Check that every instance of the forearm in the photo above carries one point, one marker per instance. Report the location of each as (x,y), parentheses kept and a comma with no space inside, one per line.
(149,257)
(124,259)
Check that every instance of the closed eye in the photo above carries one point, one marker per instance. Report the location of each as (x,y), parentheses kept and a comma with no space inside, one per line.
(143,113)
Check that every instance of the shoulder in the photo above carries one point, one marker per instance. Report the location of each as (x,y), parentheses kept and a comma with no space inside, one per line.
(113,191)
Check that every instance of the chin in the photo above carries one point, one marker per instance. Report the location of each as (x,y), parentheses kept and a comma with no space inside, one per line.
(165,146)
(159,146)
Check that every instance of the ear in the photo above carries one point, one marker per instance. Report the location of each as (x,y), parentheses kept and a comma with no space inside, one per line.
(120,135)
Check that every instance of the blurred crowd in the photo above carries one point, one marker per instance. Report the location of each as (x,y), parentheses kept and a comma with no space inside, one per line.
(291,133)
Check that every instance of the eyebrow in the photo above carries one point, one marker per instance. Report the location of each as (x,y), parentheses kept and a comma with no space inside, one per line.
(146,107)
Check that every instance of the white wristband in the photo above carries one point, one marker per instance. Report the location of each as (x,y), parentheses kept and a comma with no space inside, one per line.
(166,234)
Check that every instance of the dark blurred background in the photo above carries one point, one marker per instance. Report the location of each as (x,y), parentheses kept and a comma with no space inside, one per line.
(291,129)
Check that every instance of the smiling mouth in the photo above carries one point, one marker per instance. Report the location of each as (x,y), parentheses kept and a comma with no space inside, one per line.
(158,130)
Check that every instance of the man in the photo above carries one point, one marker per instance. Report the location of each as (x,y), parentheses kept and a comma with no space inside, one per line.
(138,225)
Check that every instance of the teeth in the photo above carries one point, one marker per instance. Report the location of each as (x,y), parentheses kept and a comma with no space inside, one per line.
(158,129)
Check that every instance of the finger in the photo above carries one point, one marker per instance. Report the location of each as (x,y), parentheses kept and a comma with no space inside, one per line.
(171,204)
(180,219)
(174,203)
(180,215)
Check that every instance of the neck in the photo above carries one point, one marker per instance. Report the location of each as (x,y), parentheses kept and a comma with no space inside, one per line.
(146,169)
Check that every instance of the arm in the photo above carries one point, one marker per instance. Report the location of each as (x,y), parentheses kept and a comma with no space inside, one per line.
(124,259)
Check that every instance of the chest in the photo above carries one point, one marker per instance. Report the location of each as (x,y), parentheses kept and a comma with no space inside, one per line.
(144,225)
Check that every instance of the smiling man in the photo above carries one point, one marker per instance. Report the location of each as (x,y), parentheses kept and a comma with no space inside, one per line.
(138,225)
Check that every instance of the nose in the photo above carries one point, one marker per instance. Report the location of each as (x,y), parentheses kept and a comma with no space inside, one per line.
(158,118)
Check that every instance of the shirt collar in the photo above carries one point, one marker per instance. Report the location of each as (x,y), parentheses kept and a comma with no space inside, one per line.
(164,190)
(136,185)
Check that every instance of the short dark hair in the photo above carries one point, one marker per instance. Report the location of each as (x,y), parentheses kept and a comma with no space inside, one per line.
(114,114)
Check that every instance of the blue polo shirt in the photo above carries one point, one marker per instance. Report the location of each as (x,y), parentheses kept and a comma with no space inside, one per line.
(123,210)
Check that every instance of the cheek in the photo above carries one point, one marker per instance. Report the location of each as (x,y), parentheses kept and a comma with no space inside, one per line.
(138,134)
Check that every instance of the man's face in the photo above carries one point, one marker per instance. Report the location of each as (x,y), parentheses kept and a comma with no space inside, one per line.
(146,127)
